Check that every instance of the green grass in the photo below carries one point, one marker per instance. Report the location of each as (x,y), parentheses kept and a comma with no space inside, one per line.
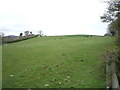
(81,35)
(54,62)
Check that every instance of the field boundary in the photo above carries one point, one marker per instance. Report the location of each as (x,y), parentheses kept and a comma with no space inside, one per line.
(16,39)
(111,71)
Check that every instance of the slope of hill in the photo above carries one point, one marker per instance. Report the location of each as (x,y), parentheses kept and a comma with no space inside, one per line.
(55,61)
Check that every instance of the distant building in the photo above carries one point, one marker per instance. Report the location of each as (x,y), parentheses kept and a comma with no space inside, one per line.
(108,34)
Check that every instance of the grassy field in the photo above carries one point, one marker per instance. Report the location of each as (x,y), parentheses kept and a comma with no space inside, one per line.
(56,61)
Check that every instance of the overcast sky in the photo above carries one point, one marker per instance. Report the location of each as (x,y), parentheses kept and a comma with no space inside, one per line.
(53,17)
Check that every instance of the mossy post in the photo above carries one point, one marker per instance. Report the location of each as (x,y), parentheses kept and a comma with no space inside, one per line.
(0,63)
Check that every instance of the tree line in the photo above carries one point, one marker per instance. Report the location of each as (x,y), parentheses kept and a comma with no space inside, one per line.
(26,33)
(112,17)
(40,33)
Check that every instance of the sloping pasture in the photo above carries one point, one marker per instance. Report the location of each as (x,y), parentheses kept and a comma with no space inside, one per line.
(56,61)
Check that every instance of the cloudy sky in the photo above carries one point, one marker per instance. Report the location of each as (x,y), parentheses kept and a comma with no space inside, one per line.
(53,17)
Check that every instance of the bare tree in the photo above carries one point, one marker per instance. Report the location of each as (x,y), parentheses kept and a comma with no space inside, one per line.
(40,33)
(2,34)
(26,33)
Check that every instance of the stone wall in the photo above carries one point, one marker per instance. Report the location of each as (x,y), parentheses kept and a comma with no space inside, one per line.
(8,39)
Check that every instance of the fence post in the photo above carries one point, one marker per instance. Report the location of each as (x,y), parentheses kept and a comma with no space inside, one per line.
(108,78)
(115,82)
